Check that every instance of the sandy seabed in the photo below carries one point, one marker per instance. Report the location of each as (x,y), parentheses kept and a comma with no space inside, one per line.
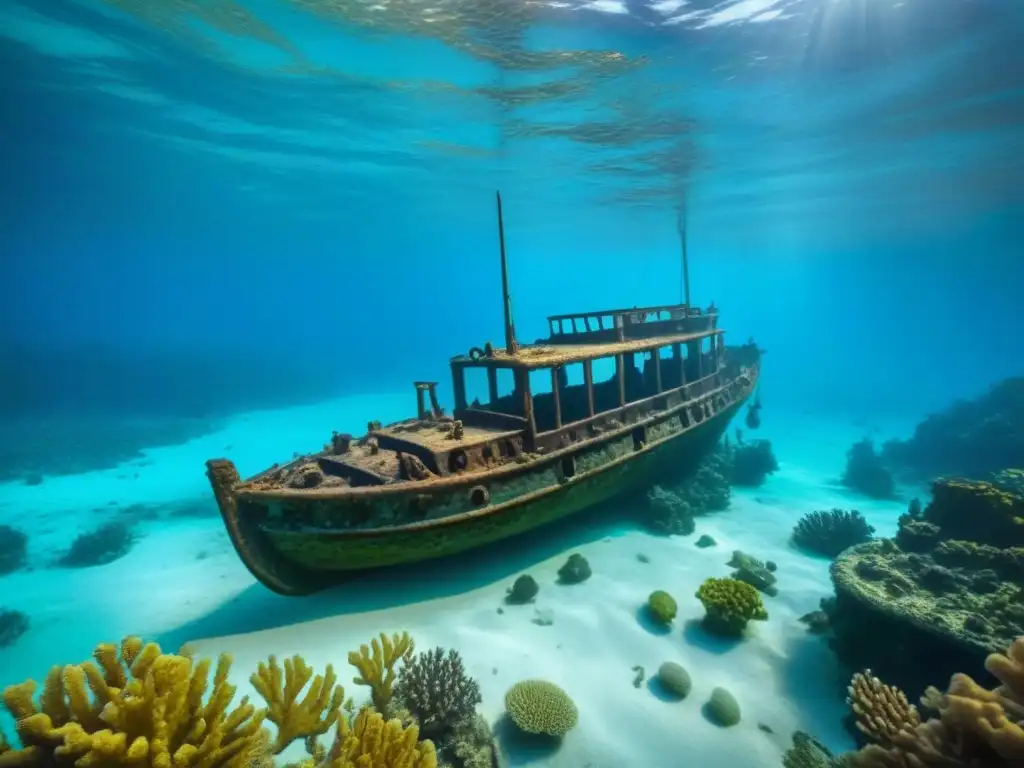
(182,582)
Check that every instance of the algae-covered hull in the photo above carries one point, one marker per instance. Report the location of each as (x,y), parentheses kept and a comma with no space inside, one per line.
(296,544)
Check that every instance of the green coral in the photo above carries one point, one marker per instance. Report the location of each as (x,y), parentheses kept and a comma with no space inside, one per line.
(662,607)
(537,706)
(723,708)
(729,605)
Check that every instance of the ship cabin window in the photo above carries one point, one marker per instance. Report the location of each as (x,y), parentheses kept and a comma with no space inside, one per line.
(492,389)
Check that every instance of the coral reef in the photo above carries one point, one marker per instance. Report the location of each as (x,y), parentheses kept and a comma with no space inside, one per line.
(722,708)
(1010,480)
(105,544)
(436,690)
(751,463)
(575,570)
(149,709)
(929,602)
(540,707)
(880,711)
(314,715)
(377,669)
(730,604)
(808,753)
(975,727)
(706,541)
(13,624)
(754,572)
(522,591)
(971,437)
(865,472)
(670,510)
(675,679)
(829,533)
(472,744)
(146,709)
(662,607)
(373,742)
(13,549)
(669,513)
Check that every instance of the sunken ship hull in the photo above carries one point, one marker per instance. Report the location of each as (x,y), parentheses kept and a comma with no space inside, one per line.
(299,541)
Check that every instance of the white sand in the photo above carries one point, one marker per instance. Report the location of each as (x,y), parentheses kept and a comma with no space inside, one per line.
(782,676)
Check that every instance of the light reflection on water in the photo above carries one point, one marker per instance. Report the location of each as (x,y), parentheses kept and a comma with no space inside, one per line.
(901,114)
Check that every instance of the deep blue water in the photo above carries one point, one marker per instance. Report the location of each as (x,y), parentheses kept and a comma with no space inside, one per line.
(215,206)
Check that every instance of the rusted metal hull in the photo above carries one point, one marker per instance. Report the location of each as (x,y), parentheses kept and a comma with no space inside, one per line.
(298,545)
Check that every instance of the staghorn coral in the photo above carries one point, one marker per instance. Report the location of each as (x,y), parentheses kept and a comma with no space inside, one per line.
(880,710)
(146,709)
(730,604)
(829,533)
(435,688)
(537,706)
(373,742)
(378,670)
(312,716)
(975,727)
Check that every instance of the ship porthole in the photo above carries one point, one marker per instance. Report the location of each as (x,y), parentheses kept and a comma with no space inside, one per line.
(479,496)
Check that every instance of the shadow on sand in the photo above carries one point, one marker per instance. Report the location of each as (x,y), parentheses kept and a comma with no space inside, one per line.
(696,635)
(520,748)
(257,608)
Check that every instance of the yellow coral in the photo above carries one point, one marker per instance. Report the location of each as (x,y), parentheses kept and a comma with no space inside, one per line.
(145,709)
(378,670)
(730,604)
(372,742)
(312,716)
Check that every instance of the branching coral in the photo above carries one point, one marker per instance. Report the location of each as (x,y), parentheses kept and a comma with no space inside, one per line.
(881,711)
(378,670)
(730,604)
(435,688)
(372,742)
(829,533)
(975,726)
(146,709)
(312,716)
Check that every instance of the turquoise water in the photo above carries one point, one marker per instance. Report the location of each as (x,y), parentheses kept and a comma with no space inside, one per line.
(229,227)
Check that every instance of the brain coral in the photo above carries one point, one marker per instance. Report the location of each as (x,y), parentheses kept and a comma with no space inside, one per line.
(537,706)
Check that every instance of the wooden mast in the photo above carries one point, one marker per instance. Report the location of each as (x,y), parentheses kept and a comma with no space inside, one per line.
(511,345)
(681,223)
